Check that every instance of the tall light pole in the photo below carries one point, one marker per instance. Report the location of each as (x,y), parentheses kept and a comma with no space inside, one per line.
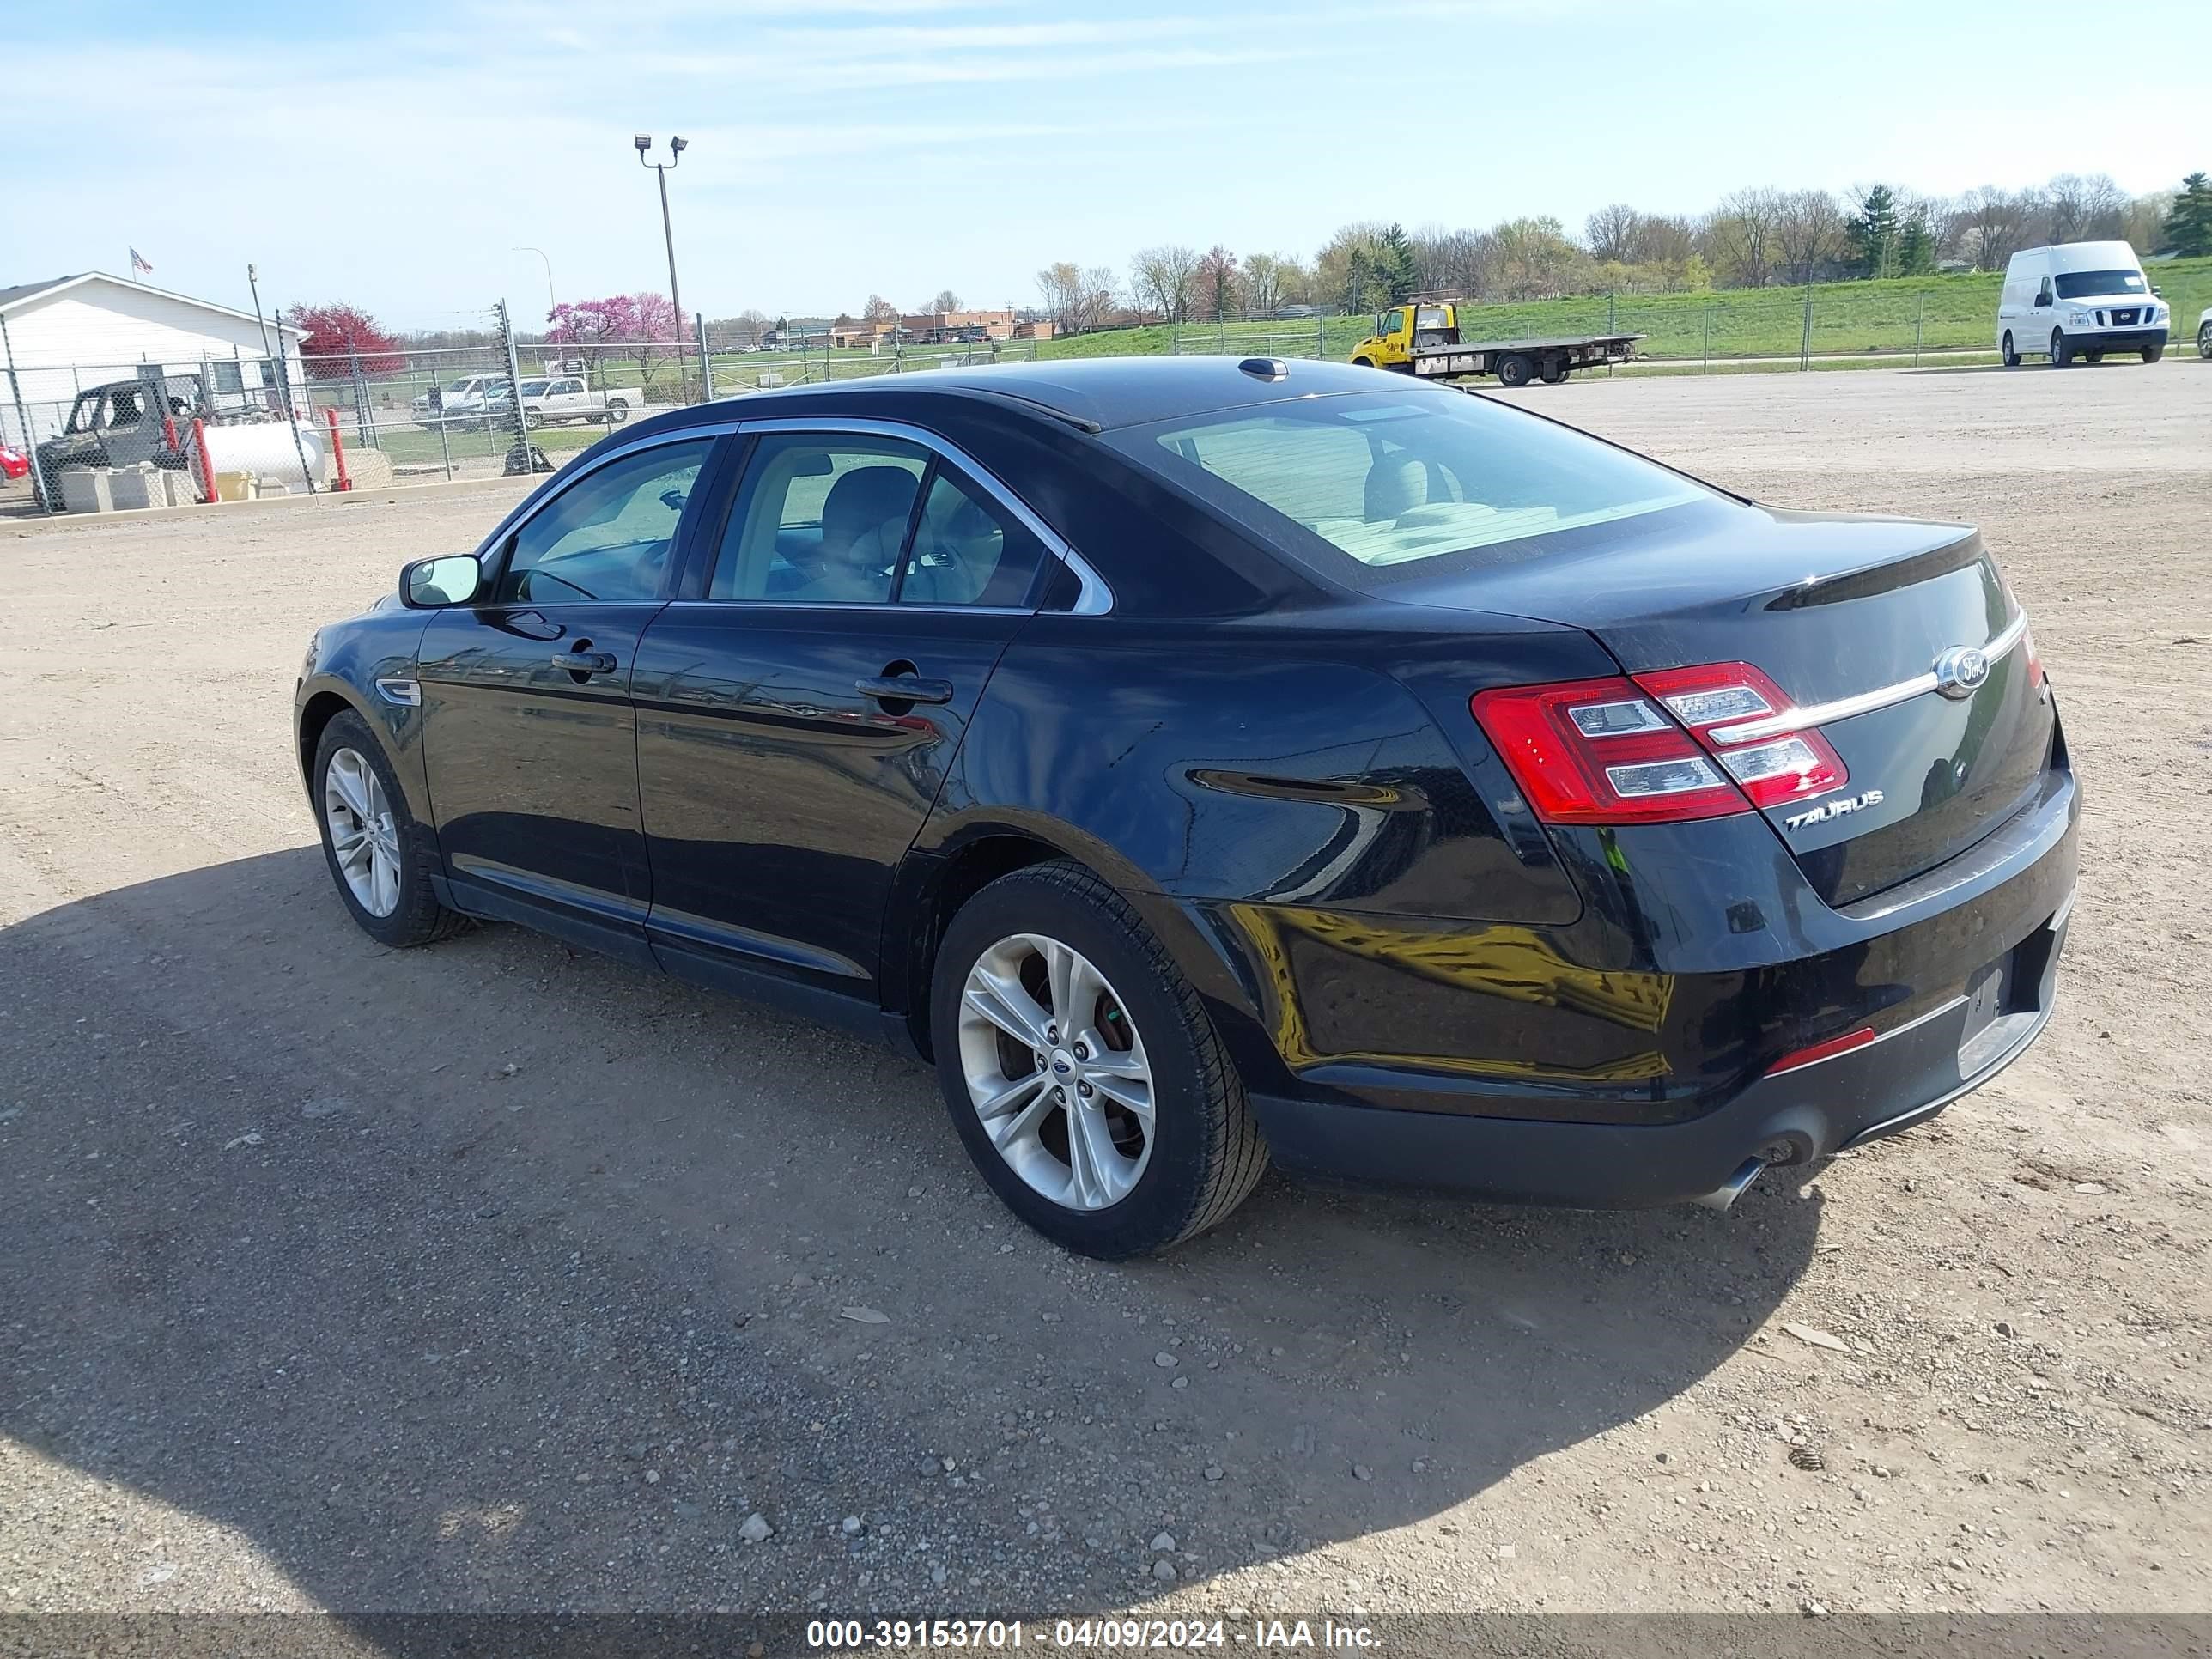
(540,253)
(676,148)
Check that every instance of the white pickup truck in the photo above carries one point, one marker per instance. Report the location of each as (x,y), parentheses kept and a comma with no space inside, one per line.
(557,400)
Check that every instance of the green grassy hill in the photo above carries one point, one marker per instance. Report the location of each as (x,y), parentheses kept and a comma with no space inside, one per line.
(1847,317)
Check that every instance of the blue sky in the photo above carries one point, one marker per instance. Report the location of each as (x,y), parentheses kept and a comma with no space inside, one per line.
(394,154)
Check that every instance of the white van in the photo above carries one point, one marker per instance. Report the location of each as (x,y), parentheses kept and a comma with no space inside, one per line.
(2079,299)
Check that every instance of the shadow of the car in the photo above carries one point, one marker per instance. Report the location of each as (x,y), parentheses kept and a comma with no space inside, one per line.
(495,1277)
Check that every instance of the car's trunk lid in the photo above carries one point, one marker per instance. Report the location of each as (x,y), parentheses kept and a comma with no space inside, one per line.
(1834,610)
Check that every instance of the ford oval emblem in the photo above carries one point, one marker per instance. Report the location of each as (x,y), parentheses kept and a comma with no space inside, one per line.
(1960,670)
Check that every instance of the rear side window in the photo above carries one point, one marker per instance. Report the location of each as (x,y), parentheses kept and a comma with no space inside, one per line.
(1386,479)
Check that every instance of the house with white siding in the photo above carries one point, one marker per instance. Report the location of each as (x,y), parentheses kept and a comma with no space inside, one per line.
(64,337)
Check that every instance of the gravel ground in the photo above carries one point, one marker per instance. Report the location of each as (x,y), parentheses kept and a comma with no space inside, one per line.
(496,1276)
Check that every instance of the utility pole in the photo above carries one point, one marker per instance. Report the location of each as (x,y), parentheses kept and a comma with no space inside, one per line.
(540,253)
(676,149)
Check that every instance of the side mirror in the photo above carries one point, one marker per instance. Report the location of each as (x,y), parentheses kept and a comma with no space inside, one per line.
(2158,294)
(450,579)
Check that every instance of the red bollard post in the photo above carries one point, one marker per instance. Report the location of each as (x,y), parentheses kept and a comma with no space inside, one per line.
(207,461)
(337,451)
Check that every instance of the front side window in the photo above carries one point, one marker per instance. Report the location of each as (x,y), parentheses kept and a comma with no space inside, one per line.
(1387,480)
(820,519)
(2094,284)
(608,536)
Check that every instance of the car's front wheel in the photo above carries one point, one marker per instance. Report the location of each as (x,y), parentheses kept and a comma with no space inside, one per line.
(2061,353)
(2204,341)
(1082,1072)
(2011,356)
(378,855)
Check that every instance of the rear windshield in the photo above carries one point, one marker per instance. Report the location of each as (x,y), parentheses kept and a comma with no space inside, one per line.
(1392,478)
(2088,284)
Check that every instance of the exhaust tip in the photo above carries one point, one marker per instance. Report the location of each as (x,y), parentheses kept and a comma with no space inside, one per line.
(1724,1196)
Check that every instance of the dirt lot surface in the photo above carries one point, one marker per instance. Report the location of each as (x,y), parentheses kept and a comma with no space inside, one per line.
(494,1276)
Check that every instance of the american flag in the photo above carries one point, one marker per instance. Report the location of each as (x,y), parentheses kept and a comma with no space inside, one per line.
(140,265)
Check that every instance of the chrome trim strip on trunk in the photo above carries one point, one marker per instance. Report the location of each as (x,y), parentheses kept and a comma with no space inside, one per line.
(1842,708)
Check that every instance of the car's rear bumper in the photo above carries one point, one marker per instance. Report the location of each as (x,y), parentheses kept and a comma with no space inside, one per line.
(1505,1070)
(1900,1081)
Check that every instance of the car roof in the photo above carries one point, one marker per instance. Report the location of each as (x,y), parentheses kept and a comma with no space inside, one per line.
(1103,392)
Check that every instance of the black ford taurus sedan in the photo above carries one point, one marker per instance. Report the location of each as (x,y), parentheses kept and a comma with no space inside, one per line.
(1206,763)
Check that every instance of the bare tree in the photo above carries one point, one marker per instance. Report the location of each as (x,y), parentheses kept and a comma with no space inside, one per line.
(2079,207)
(1100,294)
(1216,286)
(1808,232)
(1162,276)
(1993,224)
(1263,282)
(1740,237)
(1666,240)
(877,310)
(945,300)
(1535,259)
(1447,261)
(1614,234)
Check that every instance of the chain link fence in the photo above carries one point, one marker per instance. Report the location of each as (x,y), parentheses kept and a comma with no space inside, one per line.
(501,403)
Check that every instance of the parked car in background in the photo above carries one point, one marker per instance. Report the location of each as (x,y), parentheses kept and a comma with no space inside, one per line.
(14,462)
(461,400)
(562,400)
(2205,333)
(124,422)
(2079,299)
(1205,762)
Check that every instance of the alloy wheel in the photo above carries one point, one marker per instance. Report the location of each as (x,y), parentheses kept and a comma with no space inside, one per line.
(1057,1072)
(364,838)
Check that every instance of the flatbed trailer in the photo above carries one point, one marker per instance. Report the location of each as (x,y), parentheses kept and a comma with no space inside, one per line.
(1516,363)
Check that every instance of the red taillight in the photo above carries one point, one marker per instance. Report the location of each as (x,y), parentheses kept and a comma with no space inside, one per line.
(1777,767)
(1813,1054)
(1599,751)
(1643,750)
(2034,660)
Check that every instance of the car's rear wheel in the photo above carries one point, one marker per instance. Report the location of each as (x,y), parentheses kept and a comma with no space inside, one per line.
(1081,1072)
(1514,369)
(617,413)
(2061,353)
(379,856)
(2010,354)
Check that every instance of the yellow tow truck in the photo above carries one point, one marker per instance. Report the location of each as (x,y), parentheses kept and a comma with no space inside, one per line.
(1422,338)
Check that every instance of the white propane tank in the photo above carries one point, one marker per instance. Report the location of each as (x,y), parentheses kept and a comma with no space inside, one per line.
(265,449)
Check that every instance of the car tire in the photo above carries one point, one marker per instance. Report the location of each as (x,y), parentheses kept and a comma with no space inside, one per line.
(2094,357)
(2152,353)
(2204,341)
(406,913)
(1151,1185)
(1514,369)
(2061,354)
(617,413)
(1363,362)
(2006,351)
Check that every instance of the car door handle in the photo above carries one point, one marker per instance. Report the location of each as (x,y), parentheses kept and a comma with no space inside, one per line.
(904,688)
(584,662)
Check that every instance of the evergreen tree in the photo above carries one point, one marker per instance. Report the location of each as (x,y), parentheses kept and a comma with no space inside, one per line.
(1361,288)
(1916,247)
(1876,235)
(1395,267)
(2187,232)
